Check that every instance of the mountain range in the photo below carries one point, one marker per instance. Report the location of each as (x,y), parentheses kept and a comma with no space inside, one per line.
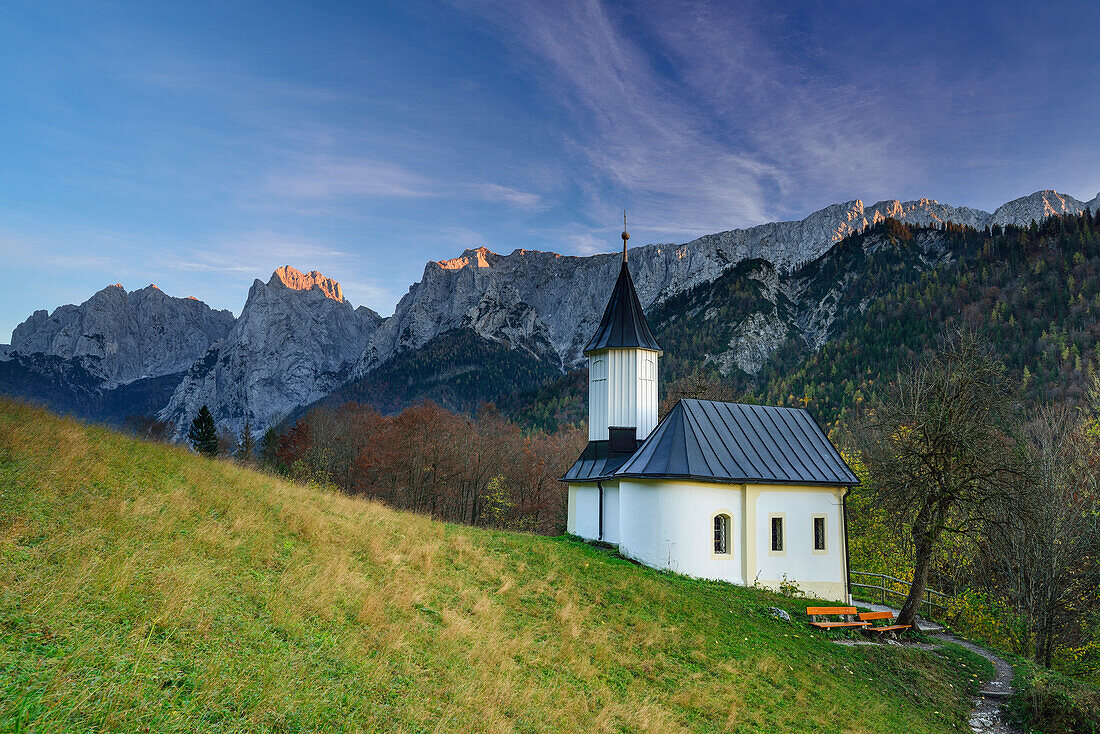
(481,326)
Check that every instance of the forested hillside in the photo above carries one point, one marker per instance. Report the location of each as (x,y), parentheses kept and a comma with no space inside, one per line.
(1034,293)
(883,296)
(458,370)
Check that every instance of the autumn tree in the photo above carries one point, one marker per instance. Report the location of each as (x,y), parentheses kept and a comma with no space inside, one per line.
(1040,554)
(227,442)
(939,449)
(480,469)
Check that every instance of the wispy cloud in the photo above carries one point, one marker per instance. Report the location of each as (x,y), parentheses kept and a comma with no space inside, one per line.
(703,121)
(507,195)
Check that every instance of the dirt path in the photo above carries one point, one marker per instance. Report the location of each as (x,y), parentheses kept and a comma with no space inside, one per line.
(988,714)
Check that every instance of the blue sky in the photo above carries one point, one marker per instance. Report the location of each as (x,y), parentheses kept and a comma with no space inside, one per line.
(201,145)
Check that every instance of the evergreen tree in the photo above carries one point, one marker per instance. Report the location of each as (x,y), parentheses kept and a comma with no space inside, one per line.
(246,447)
(269,447)
(203,435)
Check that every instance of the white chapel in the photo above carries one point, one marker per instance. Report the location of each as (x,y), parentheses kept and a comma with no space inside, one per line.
(742,493)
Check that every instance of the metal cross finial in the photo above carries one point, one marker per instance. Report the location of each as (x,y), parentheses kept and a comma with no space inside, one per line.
(625,235)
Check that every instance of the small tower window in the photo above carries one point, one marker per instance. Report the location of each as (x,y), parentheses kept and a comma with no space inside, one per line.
(777,534)
(599,369)
(721,535)
(649,369)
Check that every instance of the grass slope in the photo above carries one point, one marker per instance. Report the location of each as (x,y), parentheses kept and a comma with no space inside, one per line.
(144,588)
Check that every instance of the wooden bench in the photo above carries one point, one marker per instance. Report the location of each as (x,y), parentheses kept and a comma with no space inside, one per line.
(887,630)
(847,613)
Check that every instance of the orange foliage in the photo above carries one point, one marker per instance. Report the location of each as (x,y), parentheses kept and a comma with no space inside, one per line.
(428,459)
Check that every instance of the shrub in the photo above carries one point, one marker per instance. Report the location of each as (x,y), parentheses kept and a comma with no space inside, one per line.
(1051,703)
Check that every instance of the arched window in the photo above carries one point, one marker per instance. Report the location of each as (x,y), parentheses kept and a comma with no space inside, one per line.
(649,369)
(721,534)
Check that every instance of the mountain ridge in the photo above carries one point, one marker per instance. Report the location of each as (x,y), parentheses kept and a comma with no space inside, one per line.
(122,336)
(298,338)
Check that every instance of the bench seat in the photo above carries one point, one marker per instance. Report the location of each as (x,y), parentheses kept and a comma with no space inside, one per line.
(889,630)
(846,613)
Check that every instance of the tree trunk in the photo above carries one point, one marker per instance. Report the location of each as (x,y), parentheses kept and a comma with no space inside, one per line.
(922,562)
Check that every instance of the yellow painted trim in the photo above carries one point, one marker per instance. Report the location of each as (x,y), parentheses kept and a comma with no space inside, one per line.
(748,537)
(571,511)
(825,532)
(783,517)
(729,536)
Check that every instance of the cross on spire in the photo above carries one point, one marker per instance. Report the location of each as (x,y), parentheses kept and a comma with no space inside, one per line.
(625,235)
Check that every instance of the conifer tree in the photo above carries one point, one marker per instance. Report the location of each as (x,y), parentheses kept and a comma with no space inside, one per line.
(203,435)
(269,447)
(246,447)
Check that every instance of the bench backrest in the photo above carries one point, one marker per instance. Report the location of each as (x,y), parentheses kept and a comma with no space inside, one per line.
(814,611)
(871,616)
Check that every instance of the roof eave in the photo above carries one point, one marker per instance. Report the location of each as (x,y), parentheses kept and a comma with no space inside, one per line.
(587,480)
(588,352)
(724,480)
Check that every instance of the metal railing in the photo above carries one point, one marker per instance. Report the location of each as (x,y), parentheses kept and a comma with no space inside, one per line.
(895,588)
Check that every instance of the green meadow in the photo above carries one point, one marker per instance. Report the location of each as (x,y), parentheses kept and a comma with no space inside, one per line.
(143,588)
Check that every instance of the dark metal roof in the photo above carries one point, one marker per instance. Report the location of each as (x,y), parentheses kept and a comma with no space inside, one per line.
(623,323)
(596,462)
(734,443)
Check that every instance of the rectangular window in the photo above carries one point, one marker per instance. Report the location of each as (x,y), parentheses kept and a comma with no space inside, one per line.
(819,534)
(777,534)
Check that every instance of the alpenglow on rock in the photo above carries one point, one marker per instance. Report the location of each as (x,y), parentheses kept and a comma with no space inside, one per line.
(294,342)
(121,337)
(549,304)
(1038,206)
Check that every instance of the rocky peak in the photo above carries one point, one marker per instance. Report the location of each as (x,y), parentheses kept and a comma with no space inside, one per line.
(295,280)
(295,341)
(1038,206)
(481,257)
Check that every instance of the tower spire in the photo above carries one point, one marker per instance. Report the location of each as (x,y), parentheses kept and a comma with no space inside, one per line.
(625,235)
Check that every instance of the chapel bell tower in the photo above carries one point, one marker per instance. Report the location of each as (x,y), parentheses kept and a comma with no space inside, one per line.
(622,368)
